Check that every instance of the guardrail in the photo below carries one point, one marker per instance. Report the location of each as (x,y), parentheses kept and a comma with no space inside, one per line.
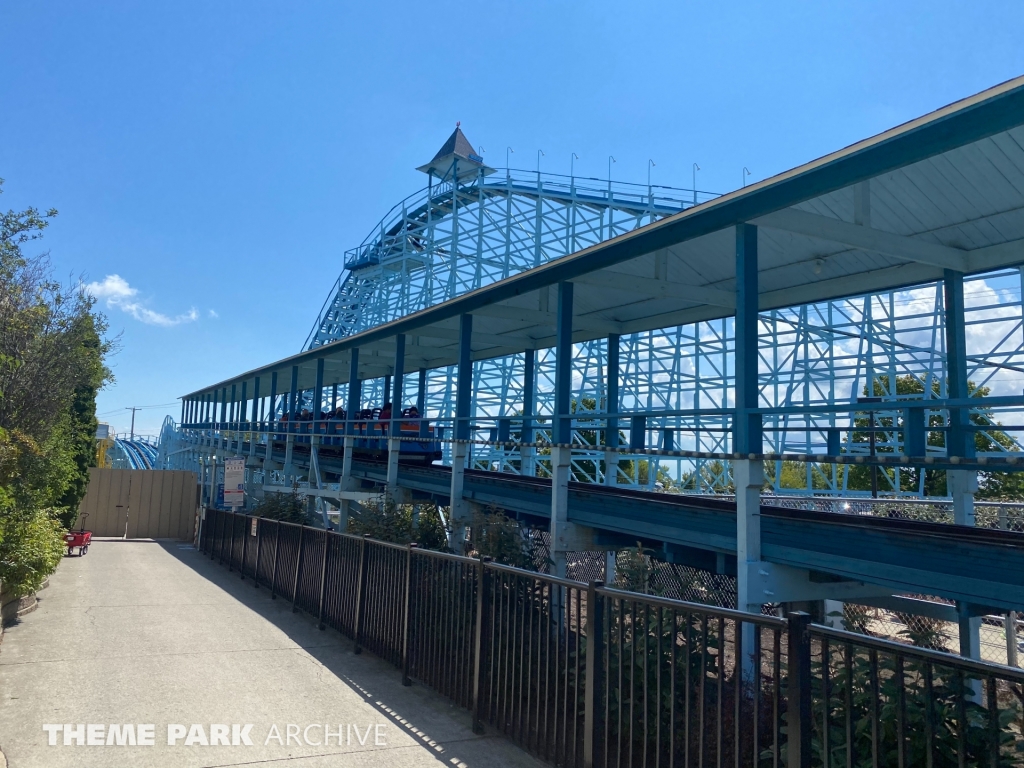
(583,674)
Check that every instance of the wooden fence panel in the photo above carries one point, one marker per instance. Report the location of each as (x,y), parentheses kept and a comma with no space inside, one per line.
(140,503)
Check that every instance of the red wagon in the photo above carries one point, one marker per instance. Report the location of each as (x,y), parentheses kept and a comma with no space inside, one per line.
(80,539)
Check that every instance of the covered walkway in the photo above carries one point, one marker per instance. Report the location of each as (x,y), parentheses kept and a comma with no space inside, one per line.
(147,632)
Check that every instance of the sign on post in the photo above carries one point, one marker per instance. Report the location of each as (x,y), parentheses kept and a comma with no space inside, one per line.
(234,482)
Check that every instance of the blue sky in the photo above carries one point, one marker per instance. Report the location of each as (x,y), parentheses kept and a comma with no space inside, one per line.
(218,158)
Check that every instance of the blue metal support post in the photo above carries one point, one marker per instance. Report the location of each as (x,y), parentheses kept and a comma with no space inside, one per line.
(611,435)
(393,428)
(256,418)
(962,483)
(293,412)
(421,401)
(528,452)
(349,440)
(459,507)
(748,473)
(271,425)
(565,536)
(314,476)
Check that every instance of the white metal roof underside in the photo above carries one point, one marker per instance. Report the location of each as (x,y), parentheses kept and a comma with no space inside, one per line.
(961,208)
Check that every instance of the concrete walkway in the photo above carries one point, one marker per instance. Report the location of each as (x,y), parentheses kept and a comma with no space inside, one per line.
(154,633)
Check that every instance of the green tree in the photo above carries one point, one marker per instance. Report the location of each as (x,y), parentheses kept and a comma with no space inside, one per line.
(52,353)
(992,485)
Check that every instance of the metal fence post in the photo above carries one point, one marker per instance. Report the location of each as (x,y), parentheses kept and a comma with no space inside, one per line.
(259,546)
(245,547)
(483,608)
(298,569)
(361,592)
(213,536)
(223,536)
(323,578)
(231,546)
(798,691)
(593,693)
(273,573)
(407,617)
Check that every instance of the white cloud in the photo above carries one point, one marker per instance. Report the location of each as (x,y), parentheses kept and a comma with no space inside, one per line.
(213,314)
(118,294)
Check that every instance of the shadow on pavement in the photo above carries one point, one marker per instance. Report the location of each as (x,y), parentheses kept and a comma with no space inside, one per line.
(418,710)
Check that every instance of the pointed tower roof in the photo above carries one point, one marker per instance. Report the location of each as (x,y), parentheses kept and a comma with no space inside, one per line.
(457,152)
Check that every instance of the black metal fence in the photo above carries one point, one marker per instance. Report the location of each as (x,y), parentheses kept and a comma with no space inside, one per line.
(583,674)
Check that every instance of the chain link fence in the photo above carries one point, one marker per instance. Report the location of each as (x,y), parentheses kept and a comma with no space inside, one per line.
(1007,516)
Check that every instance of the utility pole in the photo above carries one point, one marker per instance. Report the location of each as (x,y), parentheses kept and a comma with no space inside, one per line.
(133,409)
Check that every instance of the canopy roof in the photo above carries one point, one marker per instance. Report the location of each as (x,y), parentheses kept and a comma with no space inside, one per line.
(944,191)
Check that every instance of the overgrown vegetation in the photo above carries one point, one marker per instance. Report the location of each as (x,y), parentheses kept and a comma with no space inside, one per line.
(52,352)
(386,520)
(286,507)
(495,535)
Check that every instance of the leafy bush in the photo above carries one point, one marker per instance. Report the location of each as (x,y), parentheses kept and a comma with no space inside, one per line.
(286,507)
(493,534)
(386,520)
(31,548)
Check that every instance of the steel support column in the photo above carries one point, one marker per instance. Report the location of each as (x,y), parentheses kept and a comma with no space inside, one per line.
(611,435)
(293,410)
(963,483)
(394,427)
(459,508)
(421,401)
(564,535)
(528,452)
(748,474)
(349,441)
(256,417)
(268,459)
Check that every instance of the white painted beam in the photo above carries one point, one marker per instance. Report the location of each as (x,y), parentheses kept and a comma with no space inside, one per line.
(657,289)
(865,239)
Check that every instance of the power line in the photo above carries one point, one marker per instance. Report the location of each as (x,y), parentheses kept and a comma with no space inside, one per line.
(138,408)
